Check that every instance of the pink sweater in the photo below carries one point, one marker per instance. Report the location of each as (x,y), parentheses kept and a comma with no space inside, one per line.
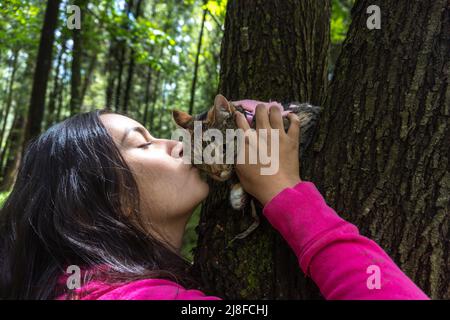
(342,263)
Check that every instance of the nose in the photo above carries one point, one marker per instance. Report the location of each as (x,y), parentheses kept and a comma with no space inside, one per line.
(174,148)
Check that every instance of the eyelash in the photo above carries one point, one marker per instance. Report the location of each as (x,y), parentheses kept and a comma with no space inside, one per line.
(145,145)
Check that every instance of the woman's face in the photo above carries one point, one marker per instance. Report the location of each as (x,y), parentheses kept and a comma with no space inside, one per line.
(169,188)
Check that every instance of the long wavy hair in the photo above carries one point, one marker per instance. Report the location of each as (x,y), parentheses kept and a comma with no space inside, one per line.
(76,202)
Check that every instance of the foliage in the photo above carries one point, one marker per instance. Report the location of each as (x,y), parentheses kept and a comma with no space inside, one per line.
(3,196)
(340,19)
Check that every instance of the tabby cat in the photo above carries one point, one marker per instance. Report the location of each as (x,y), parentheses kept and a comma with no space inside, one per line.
(221,116)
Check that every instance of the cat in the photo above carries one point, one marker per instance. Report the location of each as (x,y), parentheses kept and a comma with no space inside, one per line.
(221,116)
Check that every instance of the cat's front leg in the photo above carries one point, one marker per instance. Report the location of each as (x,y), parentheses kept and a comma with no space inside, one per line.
(238,197)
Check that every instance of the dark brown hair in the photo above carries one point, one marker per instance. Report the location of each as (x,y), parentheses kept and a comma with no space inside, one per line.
(70,205)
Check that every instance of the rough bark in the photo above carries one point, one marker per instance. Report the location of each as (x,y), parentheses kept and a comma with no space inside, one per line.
(275,50)
(381,158)
(271,50)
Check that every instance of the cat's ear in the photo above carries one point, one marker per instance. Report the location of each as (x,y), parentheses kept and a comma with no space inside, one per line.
(221,104)
(222,108)
(181,118)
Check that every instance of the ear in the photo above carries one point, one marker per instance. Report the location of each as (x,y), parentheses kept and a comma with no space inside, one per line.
(181,118)
(221,104)
(222,108)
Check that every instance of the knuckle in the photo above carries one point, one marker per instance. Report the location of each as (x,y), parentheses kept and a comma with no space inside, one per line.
(295,119)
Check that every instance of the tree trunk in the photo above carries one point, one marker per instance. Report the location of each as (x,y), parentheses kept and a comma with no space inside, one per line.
(129,83)
(122,48)
(57,82)
(148,83)
(43,67)
(109,69)
(156,89)
(381,158)
(197,58)
(272,50)
(9,97)
(277,51)
(61,91)
(88,77)
(77,56)
(11,154)
(14,152)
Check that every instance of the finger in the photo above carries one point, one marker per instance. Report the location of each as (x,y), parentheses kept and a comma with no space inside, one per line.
(294,126)
(241,121)
(262,117)
(276,120)
(243,149)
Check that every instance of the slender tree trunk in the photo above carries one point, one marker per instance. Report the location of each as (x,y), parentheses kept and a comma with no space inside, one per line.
(61,92)
(14,152)
(149,78)
(4,154)
(121,60)
(9,96)
(4,151)
(381,158)
(109,69)
(148,84)
(197,58)
(129,83)
(56,86)
(271,50)
(43,67)
(11,154)
(163,108)
(87,78)
(119,77)
(156,88)
(77,56)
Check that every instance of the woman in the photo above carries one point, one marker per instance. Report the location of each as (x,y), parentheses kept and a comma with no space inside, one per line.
(97,191)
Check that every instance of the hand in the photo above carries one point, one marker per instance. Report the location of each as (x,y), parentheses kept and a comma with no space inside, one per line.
(265,187)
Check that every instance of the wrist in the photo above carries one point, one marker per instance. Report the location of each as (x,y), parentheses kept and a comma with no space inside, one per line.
(275,188)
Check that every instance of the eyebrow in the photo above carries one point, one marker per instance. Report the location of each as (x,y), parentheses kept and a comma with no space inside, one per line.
(141,130)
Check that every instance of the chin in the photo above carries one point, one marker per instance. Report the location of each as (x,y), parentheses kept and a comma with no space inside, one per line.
(201,190)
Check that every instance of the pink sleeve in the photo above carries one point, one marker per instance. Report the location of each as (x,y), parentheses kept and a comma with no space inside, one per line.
(154,289)
(342,263)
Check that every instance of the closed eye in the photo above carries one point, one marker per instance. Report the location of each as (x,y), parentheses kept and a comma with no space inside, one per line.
(145,145)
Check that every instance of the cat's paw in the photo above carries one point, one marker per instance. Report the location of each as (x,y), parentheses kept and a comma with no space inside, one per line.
(238,197)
